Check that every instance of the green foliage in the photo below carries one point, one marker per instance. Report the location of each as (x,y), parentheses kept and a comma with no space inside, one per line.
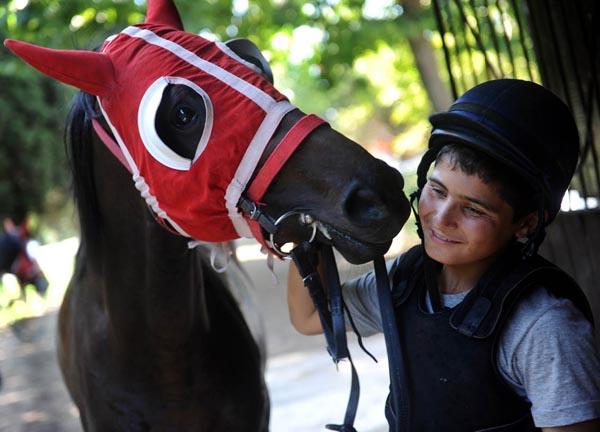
(31,165)
(33,108)
(327,57)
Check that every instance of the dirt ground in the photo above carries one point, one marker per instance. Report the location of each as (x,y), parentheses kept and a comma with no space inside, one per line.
(33,397)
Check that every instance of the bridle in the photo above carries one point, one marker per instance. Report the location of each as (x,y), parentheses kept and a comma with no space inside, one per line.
(249,202)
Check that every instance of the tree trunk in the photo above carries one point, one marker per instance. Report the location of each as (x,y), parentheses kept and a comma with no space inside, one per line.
(426,62)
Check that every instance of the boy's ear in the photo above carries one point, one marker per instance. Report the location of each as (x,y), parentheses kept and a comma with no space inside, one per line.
(527,225)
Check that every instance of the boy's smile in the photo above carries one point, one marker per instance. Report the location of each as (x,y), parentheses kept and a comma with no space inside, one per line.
(465,221)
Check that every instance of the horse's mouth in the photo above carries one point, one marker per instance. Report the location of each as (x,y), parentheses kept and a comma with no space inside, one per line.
(354,250)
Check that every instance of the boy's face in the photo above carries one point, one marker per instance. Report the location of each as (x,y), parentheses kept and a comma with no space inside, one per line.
(465,221)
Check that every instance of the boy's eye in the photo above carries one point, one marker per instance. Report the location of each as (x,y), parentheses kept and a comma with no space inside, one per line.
(473,211)
(438,191)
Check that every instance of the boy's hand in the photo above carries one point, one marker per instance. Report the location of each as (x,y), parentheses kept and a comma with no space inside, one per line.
(303,314)
(588,426)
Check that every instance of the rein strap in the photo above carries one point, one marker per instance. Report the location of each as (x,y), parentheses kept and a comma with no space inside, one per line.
(330,307)
(393,346)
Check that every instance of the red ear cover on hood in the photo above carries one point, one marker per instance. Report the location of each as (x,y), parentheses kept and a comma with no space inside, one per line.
(88,71)
(163,12)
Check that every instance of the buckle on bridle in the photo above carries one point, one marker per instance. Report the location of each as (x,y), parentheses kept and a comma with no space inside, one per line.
(304,218)
(254,211)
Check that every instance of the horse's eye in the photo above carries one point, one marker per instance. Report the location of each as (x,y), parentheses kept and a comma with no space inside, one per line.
(184,116)
(182,122)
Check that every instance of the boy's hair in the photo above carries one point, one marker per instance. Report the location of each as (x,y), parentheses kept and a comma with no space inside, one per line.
(511,187)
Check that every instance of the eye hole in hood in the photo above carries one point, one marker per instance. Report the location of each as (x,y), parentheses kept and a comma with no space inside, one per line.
(175,121)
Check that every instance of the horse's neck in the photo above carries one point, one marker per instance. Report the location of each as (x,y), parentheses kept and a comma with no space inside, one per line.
(149,280)
(147,277)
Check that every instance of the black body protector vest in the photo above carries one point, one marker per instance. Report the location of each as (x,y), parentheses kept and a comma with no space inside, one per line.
(451,380)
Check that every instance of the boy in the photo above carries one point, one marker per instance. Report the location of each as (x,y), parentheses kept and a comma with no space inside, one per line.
(494,337)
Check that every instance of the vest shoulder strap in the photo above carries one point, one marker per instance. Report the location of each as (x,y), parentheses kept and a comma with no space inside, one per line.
(484,308)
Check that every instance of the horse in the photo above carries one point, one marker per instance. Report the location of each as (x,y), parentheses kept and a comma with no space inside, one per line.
(150,336)
(16,259)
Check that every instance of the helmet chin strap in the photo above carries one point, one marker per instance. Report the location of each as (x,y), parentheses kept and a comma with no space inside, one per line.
(414,197)
(535,239)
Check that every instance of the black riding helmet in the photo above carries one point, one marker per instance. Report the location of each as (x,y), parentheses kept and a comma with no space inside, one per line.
(520,124)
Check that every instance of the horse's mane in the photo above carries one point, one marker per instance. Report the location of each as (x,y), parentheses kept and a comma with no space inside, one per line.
(78,146)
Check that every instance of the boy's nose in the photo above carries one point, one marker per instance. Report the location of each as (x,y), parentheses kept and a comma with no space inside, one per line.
(446,215)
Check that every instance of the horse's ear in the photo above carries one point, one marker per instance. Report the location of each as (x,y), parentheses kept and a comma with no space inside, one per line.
(250,52)
(87,70)
(163,12)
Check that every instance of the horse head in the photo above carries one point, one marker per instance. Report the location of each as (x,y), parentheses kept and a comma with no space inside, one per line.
(196,121)
(16,259)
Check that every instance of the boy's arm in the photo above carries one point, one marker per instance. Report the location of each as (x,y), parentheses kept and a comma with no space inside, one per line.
(303,314)
(567,388)
(360,297)
(588,426)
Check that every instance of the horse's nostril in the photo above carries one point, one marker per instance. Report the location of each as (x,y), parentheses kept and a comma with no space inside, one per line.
(363,206)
